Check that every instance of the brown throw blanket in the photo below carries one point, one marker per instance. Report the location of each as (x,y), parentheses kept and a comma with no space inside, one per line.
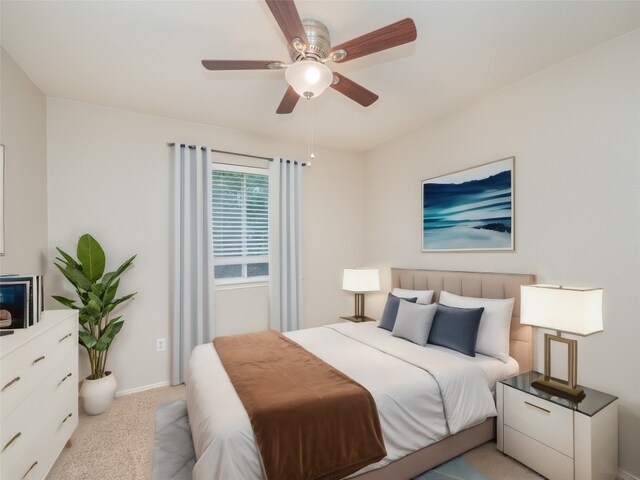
(310,421)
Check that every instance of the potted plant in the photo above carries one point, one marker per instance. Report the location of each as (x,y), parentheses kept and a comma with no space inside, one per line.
(96,293)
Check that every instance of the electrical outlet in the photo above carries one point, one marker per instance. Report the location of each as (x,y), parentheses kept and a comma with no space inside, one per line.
(161,344)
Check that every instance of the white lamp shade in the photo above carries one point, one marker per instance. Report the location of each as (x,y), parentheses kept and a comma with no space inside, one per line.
(308,77)
(567,309)
(361,280)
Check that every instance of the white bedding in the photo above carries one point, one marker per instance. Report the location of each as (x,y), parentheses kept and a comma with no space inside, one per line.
(416,407)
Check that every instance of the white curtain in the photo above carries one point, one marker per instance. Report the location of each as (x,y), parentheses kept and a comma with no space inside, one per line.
(192,303)
(285,245)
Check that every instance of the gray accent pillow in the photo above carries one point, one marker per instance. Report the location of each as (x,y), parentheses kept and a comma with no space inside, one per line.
(390,312)
(456,328)
(425,297)
(413,322)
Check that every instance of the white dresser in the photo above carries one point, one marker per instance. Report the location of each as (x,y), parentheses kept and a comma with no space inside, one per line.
(38,394)
(556,437)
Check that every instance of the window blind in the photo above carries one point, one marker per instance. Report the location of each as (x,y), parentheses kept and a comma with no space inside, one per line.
(240,222)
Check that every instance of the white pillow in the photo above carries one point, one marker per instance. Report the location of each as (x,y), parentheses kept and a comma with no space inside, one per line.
(495,323)
(414,322)
(424,296)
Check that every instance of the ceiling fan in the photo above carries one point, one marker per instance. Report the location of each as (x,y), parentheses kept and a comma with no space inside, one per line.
(310,49)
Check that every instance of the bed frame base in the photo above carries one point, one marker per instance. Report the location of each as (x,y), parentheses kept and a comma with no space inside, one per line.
(428,457)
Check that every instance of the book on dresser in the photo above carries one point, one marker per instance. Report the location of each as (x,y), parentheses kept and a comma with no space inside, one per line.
(38,394)
(21,301)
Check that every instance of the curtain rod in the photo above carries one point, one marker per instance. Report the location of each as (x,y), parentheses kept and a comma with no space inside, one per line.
(171,144)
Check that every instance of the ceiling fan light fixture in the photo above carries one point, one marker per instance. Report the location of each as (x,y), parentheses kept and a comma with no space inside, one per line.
(309,78)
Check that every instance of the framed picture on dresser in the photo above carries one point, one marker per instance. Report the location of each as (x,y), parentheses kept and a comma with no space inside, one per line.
(470,210)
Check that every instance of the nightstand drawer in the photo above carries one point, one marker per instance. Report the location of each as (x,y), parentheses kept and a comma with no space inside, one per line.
(548,423)
(544,460)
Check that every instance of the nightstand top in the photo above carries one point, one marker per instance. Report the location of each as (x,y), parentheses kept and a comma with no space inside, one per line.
(593,402)
(358,319)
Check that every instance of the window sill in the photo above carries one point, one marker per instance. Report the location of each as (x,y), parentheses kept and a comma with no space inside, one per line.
(237,284)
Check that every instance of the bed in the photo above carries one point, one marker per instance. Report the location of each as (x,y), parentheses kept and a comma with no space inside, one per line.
(424,421)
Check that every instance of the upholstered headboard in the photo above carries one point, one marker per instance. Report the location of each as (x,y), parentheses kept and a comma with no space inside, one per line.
(475,284)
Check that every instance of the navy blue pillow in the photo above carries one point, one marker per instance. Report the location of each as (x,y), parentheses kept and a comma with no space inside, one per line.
(456,328)
(390,313)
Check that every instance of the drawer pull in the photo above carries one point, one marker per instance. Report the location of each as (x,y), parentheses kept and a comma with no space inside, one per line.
(64,378)
(13,439)
(30,468)
(67,417)
(65,337)
(539,408)
(10,383)
(39,359)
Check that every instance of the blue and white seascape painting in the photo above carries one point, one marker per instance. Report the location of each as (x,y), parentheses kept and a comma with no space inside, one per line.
(469,210)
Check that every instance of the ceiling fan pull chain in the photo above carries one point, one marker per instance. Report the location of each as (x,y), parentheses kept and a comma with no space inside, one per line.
(310,130)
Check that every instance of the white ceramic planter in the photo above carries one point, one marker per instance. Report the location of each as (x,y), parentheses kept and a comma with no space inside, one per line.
(97,395)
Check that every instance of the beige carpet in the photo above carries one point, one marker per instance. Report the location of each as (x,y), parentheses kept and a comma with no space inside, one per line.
(118,445)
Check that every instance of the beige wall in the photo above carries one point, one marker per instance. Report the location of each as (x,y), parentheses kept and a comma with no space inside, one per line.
(110,175)
(574,130)
(23,132)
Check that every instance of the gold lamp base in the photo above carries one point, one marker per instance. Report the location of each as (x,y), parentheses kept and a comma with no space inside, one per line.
(547,383)
(558,387)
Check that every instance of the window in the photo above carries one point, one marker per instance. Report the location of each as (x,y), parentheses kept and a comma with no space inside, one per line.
(240,223)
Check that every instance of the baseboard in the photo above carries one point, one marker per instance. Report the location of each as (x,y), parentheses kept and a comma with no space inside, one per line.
(142,389)
(622,475)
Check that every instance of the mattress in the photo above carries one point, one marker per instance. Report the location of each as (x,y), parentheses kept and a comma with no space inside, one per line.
(423,394)
(494,369)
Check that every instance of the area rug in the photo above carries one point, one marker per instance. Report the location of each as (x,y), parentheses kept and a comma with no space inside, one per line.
(174,458)
(173,455)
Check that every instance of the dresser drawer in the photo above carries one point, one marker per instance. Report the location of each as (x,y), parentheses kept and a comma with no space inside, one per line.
(26,368)
(62,340)
(60,385)
(18,435)
(21,371)
(549,424)
(544,460)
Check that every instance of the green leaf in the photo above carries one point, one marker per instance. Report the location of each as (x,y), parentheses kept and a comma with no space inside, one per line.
(111,276)
(97,290)
(89,316)
(97,301)
(91,257)
(67,302)
(75,277)
(111,292)
(108,335)
(119,301)
(68,258)
(87,339)
(92,308)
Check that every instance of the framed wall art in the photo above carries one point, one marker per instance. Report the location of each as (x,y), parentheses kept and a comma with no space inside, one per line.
(1,199)
(470,209)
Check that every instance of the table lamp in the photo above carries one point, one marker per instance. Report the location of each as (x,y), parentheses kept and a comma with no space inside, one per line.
(564,309)
(361,280)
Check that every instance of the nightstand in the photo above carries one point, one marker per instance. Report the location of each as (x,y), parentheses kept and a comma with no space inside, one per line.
(556,437)
(358,319)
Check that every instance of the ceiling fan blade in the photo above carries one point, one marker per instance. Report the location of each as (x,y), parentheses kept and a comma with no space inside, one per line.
(390,36)
(286,14)
(288,102)
(241,64)
(355,92)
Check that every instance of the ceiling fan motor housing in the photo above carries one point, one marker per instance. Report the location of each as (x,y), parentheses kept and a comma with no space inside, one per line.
(319,42)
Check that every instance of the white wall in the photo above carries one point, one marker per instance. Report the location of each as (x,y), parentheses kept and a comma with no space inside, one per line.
(23,132)
(110,175)
(574,130)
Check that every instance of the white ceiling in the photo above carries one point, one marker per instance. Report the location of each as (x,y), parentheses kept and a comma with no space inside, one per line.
(145,56)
